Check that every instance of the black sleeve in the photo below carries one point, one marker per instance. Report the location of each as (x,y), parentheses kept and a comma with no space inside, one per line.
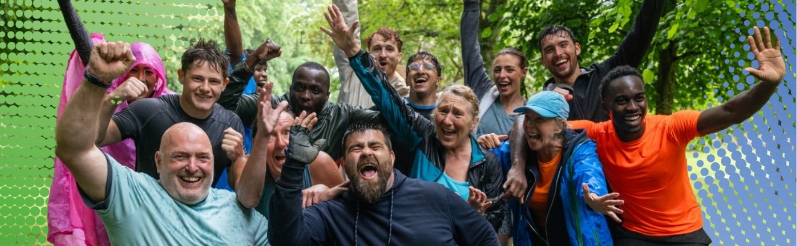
(131,119)
(492,181)
(469,227)
(232,97)
(473,67)
(636,43)
(288,224)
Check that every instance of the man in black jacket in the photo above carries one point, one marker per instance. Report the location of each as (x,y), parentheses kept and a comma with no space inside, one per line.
(381,207)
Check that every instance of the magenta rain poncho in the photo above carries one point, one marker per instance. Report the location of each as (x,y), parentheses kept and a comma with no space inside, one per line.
(71,222)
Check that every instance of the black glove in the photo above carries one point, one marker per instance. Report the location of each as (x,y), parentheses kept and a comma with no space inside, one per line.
(300,151)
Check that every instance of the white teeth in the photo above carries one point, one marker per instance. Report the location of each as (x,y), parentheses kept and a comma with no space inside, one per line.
(560,62)
(191,179)
(631,118)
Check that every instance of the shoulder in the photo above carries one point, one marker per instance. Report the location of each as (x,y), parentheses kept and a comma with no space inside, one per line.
(224,115)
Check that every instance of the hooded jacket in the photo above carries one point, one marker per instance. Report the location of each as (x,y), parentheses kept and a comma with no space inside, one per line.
(332,120)
(570,220)
(484,172)
(411,212)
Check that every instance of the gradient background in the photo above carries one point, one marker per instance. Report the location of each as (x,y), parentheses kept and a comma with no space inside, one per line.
(744,176)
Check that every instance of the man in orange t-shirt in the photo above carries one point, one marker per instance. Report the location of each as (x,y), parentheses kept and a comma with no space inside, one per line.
(644,158)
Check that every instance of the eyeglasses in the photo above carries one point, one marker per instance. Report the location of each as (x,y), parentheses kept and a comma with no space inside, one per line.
(415,66)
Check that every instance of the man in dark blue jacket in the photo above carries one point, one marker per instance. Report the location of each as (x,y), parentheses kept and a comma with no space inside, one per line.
(381,207)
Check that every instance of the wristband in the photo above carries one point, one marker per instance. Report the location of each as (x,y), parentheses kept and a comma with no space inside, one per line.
(94,80)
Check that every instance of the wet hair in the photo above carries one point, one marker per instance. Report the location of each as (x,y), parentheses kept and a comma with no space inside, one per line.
(461,91)
(423,55)
(361,126)
(387,34)
(312,66)
(554,30)
(617,72)
(205,51)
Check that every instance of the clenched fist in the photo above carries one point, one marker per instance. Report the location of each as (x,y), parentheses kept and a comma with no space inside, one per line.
(110,60)
(132,88)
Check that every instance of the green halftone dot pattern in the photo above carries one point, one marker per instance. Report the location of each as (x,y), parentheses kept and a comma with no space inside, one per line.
(743,177)
(34,48)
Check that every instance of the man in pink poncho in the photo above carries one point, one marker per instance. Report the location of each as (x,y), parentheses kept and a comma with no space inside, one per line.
(70,221)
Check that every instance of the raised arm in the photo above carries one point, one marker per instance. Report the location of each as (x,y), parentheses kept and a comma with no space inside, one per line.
(403,121)
(77,129)
(473,67)
(77,30)
(232,32)
(288,224)
(636,43)
(770,72)
(232,98)
(349,83)
(253,176)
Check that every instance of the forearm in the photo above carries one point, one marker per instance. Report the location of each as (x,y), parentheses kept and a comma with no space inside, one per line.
(286,222)
(473,67)
(250,181)
(232,35)
(518,143)
(636,43)
(736,110)
(105,113)
(232,97)
(350,14)
(77,130)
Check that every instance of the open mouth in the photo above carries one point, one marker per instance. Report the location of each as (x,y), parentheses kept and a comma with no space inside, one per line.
(368,171)
(561,64)
(503,85)
(449,133)
(190,179)
(421,81)
(632,118)
(533,136)
(280,158)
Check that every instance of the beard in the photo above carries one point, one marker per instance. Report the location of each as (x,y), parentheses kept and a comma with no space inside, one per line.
(369,190)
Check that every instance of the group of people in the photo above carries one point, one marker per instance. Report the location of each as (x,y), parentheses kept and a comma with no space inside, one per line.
(397,160)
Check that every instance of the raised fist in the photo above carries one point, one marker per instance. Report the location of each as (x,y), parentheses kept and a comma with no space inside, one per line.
(268,50)
(132,88)
(110,60)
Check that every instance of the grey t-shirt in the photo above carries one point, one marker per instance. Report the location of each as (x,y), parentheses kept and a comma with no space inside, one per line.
(495,120)
(138,211)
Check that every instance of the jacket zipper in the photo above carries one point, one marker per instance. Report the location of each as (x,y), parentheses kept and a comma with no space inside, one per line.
(525,209)
(555,183)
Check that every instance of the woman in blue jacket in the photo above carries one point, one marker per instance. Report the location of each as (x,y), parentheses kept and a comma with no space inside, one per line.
(562,167)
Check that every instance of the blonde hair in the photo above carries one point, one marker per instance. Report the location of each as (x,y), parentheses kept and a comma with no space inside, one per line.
(461,91)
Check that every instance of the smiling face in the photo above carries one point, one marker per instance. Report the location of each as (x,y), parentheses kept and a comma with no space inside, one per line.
(508,74)
(540,132)
(560,55)
(277,144)
(386,53)
(185,163)
(454,119)
(261,74)
(143,73)
(202,86)
(368,163)
(628,106)
(422,76)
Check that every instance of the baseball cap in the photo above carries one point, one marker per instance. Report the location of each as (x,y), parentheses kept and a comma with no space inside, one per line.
(547,104)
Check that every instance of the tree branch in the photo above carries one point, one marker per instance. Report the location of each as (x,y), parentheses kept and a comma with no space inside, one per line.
(686,54)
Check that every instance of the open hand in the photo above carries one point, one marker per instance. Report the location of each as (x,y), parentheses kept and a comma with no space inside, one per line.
(605,204)
(344,36)
(478,200)
(266,116)
(491,140)
(319,193)
(771,66)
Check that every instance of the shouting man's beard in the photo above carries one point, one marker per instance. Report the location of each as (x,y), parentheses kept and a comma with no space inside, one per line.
(369,190)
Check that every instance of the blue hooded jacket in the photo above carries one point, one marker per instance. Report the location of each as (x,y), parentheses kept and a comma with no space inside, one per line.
(570,221)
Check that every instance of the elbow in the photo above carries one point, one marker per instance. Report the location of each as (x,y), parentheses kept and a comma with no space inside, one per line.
(248,201)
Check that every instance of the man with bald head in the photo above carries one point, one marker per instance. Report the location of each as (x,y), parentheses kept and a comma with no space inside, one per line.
(178,209)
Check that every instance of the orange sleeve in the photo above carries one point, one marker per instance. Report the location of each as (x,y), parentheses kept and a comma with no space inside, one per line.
(683,125)
(581,124)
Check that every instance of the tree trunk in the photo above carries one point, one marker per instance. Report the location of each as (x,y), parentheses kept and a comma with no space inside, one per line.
(665,79)
(487,44)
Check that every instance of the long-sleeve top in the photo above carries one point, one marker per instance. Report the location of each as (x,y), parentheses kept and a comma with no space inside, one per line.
(411,212)
(332,120)
(586,102)
(418,132)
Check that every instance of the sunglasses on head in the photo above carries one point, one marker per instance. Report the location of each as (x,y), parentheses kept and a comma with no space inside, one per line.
(415,66)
